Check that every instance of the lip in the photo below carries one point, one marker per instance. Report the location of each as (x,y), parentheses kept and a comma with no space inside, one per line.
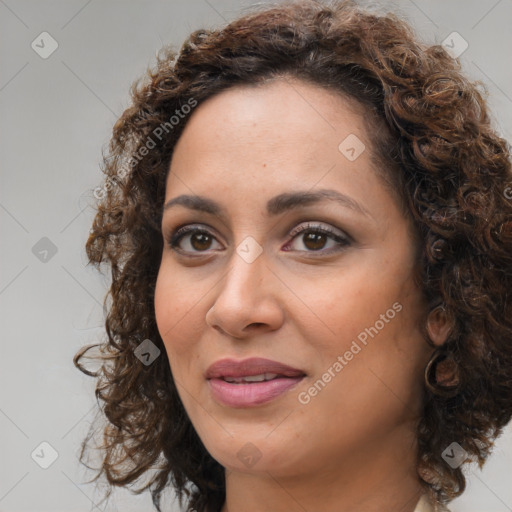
(249,367)
(254,393)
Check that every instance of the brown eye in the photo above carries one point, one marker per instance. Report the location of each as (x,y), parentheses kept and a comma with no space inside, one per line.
(200,241)
(315,238)
(191,239)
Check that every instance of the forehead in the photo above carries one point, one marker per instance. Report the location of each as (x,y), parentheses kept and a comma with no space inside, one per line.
(281,126)
(246,146)
(297,105)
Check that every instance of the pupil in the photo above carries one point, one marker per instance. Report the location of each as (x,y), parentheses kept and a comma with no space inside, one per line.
(201,238)
(201,241)
(318,240)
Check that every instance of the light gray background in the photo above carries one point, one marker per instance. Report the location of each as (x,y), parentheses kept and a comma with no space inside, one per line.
(55,116)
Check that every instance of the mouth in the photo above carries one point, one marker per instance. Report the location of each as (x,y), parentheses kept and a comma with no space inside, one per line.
(262,377)
(250,382)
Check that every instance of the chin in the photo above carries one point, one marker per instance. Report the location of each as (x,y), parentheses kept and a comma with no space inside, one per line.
(256,454)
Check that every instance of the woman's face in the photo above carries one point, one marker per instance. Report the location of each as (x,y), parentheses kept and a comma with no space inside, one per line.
(297,254)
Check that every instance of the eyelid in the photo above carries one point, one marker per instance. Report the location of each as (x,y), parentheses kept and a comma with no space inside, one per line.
(183,230)
(341,238)
(320,226)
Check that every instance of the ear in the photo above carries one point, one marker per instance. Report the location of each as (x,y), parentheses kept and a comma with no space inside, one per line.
(438,328)
(438,325)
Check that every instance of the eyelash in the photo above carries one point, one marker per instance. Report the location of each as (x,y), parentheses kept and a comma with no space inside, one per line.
(341,241)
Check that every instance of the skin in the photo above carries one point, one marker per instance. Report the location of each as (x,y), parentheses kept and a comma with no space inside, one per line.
(352,447)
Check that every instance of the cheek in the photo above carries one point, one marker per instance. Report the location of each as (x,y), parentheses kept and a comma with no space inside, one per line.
(340,307)
(177,318)
(371,319)
(165,307)
(176,312)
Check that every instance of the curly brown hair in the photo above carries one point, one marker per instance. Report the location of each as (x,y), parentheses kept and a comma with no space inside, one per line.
(445,163)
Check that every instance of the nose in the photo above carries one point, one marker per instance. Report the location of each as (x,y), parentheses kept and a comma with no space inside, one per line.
(246,299)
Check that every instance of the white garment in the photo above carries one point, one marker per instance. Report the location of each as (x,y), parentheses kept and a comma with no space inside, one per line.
(425,505)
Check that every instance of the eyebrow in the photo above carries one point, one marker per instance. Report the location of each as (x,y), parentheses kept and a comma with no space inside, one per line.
(275,206)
